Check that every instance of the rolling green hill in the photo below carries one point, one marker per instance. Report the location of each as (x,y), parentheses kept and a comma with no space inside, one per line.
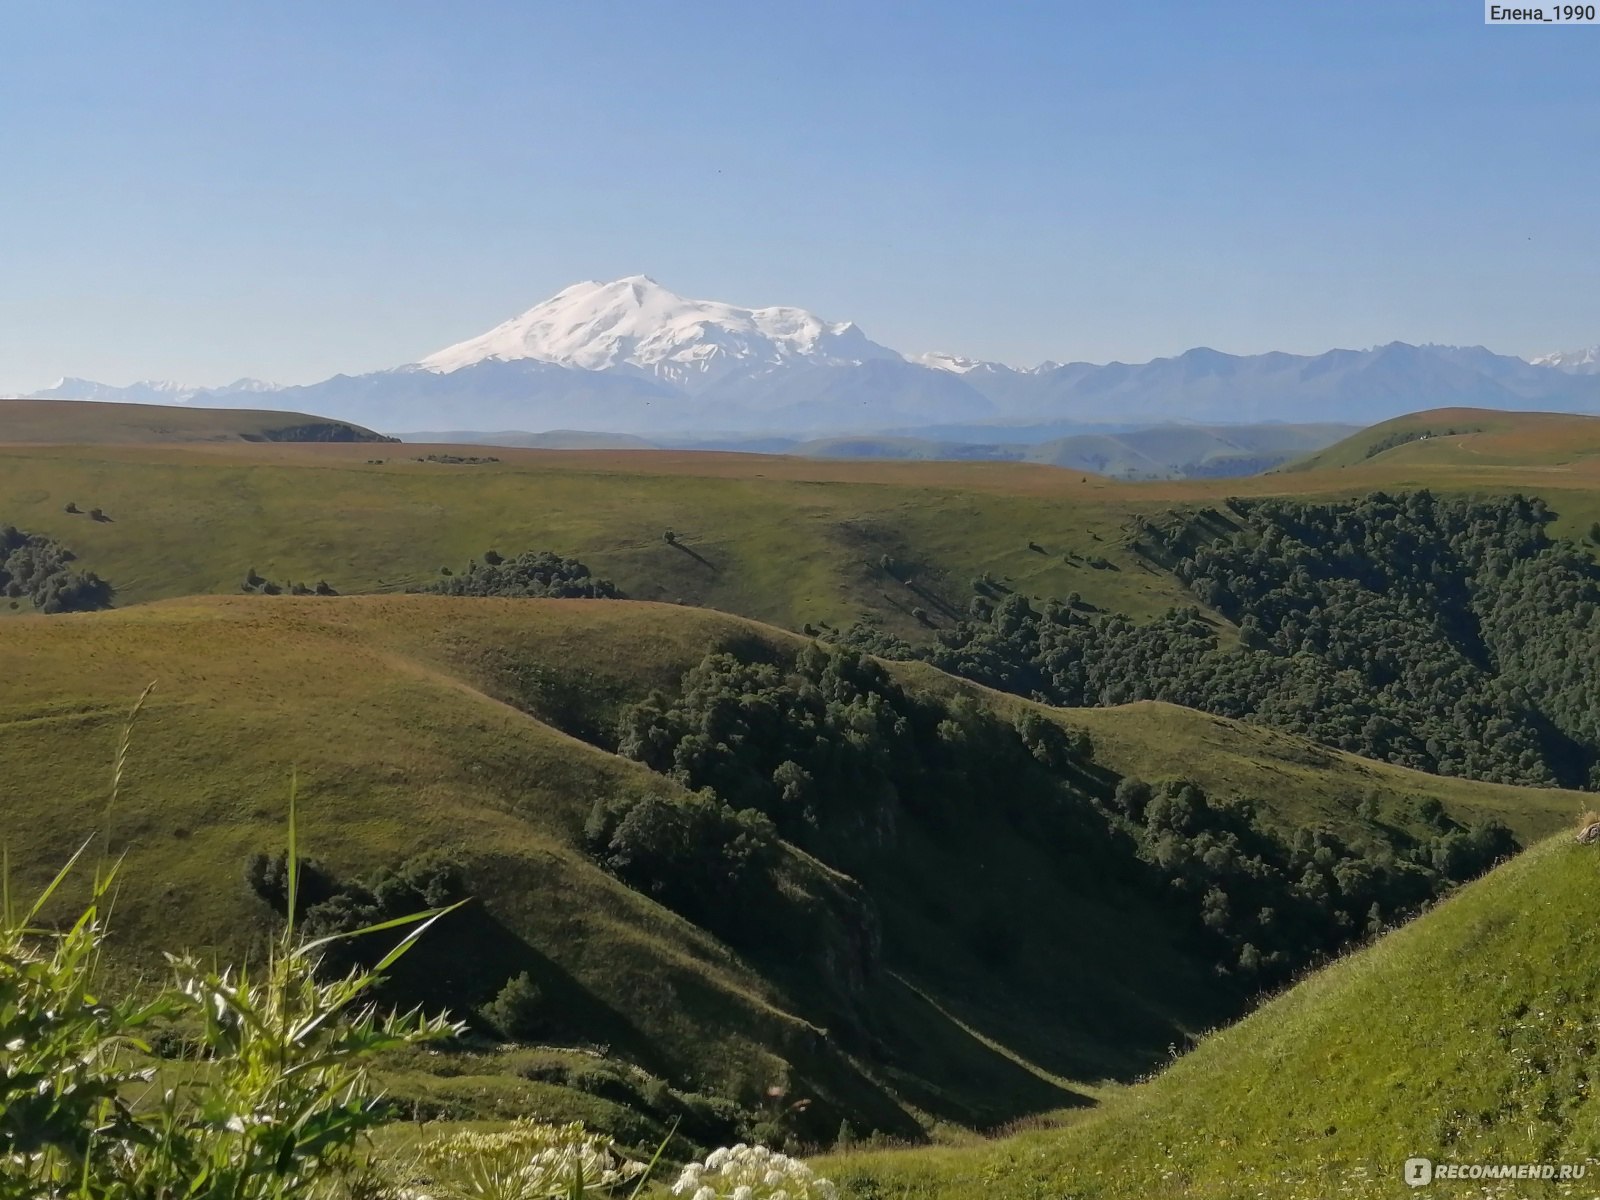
(89,422)
(424,724)
(1465,438)
(1464,1037)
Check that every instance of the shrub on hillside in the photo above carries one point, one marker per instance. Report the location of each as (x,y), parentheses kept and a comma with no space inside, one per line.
(531,574)
(517,1011)
(256,584)
(691,852)
(37,568)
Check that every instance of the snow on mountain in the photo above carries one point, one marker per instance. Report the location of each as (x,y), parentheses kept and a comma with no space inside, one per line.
(150,391)
(1574,362)
(636,323)
(954,363)
(146,391)
(958,364)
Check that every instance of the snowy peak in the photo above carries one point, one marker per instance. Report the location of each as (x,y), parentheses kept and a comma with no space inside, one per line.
(636,323)
(146,391)
(939,361)
(1574,362)
(163,391)
(957,364)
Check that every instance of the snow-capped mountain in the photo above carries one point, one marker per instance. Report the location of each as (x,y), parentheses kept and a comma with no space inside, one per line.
(631,356)
(636,323)
(957,364)
(1574,362)
(954,363)
(147,391)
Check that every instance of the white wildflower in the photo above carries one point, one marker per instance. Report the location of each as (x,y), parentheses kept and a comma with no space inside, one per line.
(530,1161)
(744,1172)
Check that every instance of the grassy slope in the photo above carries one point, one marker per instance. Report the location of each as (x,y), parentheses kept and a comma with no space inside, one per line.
(88,422)
(790,541)
(394,713)
(393,756)
(1487,437)
(1467,1036)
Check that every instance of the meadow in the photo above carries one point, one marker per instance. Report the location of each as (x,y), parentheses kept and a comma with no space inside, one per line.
(788,541)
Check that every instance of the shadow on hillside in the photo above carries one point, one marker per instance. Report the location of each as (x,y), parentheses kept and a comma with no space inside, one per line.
(464,962)
(697,556)
(987,1087)
(1107,1034)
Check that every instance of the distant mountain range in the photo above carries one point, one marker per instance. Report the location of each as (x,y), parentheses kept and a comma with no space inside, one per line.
(1160,452)
(1574,362)
(150,391)
(633,357)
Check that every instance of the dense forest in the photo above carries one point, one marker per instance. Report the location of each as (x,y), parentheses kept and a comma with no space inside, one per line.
(39,570)
(1450,635)
(832,755)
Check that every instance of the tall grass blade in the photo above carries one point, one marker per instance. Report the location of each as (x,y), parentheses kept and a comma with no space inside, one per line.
(294,858)
(650,1167)
(410,939)
(61,875)
(119,767)
(430,916)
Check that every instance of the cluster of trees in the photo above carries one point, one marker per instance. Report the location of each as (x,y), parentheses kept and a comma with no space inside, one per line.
(1274,904)
(532,573)
(821,748)
(699,856)
(1403,436)
(1449,635)
(257,584)
(39,570)
(829,753)
(326,904)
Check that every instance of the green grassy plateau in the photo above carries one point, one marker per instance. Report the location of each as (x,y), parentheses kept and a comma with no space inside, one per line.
(1464,439)
(784,540)
(88,422)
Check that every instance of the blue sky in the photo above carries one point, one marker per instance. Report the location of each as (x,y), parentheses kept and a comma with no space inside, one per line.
(287,190)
